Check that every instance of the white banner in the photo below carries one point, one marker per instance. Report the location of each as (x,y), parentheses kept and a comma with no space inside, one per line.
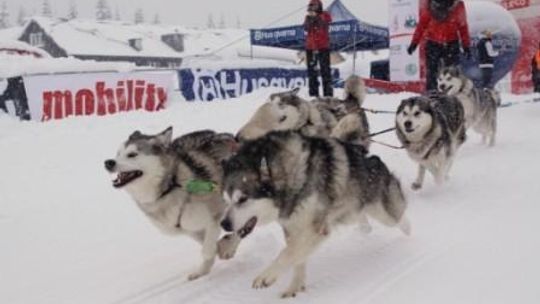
(404,16)
(63,95)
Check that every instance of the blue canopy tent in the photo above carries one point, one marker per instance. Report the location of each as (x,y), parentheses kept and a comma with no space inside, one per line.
(347,33)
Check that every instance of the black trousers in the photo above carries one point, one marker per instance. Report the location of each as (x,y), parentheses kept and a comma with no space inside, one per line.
(536,81)
(487,75)
(319,61)
(437,56)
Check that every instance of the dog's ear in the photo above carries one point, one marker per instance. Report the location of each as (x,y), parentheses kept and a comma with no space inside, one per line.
(295,91)
(165,137)
(135,135)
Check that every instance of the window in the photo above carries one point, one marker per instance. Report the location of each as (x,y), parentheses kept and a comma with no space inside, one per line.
(36,39)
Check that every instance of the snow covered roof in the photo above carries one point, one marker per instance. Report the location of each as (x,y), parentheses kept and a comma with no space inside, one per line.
(16,47)
(25,65)
(11,33)
(111,38)
(105,38)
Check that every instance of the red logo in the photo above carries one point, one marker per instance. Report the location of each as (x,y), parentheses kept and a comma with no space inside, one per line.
(515,4)
(126,96)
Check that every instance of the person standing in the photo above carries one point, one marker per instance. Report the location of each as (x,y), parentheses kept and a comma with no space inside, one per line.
(536,70)
(443,24)
(316,27)
(486,55)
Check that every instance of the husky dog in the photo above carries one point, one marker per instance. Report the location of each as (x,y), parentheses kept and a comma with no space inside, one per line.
(309,185)
(480,105)
(155,171)
(343,119)
(431,129)
(353,125)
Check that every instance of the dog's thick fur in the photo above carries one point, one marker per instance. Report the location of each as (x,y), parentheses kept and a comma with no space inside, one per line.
(155,170)
(309,185)
(431,129)
(340,118)
(480,105)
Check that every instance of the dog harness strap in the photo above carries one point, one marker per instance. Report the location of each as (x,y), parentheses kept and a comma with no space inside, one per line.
(170,186)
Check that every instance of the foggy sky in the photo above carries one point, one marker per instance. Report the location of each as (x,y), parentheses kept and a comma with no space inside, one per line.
(251,13)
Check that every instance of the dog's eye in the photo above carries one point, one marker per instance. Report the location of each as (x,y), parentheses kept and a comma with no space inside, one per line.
(132,155)
(416,114)
(405,113)
(282,118)
(242,200)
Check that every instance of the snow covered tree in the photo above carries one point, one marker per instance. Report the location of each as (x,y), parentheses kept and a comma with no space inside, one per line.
(73,12)
(210,23)
(139,16)
(21,16)
(238,23)
(46,9)
(4,16)
(117,16)
(157,19)
(222,21)
(103,11)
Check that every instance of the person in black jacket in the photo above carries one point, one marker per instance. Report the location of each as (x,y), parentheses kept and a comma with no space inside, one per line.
(486,56)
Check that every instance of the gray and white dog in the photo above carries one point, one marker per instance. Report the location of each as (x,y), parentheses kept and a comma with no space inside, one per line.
(480,105)
(155,171)
(431,129)
(308,185)
(339,118)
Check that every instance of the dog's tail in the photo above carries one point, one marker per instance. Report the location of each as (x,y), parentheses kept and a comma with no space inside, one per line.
(355,89)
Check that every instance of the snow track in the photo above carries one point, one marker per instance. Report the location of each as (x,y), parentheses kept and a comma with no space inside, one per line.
(68,237)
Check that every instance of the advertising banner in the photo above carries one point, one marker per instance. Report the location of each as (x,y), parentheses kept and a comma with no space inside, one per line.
(207,84)
(404,16)
(63,95)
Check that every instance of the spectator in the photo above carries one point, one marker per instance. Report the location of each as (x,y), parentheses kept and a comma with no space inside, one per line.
(316,26)
(486,55)
(536,70)
(443,24)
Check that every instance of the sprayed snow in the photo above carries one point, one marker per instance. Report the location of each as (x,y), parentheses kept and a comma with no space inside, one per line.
(69,237)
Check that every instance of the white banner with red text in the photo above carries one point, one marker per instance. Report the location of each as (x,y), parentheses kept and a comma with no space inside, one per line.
(63,95)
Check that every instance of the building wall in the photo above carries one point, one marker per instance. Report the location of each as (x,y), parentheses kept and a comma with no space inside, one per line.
(48,44)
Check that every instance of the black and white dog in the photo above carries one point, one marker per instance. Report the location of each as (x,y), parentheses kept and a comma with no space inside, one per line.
(431,129)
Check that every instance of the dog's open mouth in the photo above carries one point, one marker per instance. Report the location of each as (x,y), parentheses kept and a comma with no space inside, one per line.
(445,90)
(409,130)
(248,227)
(125,178)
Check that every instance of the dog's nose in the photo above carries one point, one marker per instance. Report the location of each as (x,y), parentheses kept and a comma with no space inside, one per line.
(442,87)
(110,164)
(226,224)
(408,124)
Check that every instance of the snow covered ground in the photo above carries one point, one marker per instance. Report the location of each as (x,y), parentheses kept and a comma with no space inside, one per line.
(68,237)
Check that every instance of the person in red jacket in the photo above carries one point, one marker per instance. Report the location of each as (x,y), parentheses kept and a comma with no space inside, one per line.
(316,26)
(442,24)
(536,70)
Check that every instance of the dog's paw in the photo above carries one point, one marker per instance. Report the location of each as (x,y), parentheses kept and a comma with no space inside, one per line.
(196,275)
(416,186)
(226,247)
(292,292)
(265,280)
(365,228)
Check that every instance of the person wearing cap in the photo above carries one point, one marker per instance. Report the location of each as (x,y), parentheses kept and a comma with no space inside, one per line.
(486,56)
(536,70)
(443,24)
(316,27)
